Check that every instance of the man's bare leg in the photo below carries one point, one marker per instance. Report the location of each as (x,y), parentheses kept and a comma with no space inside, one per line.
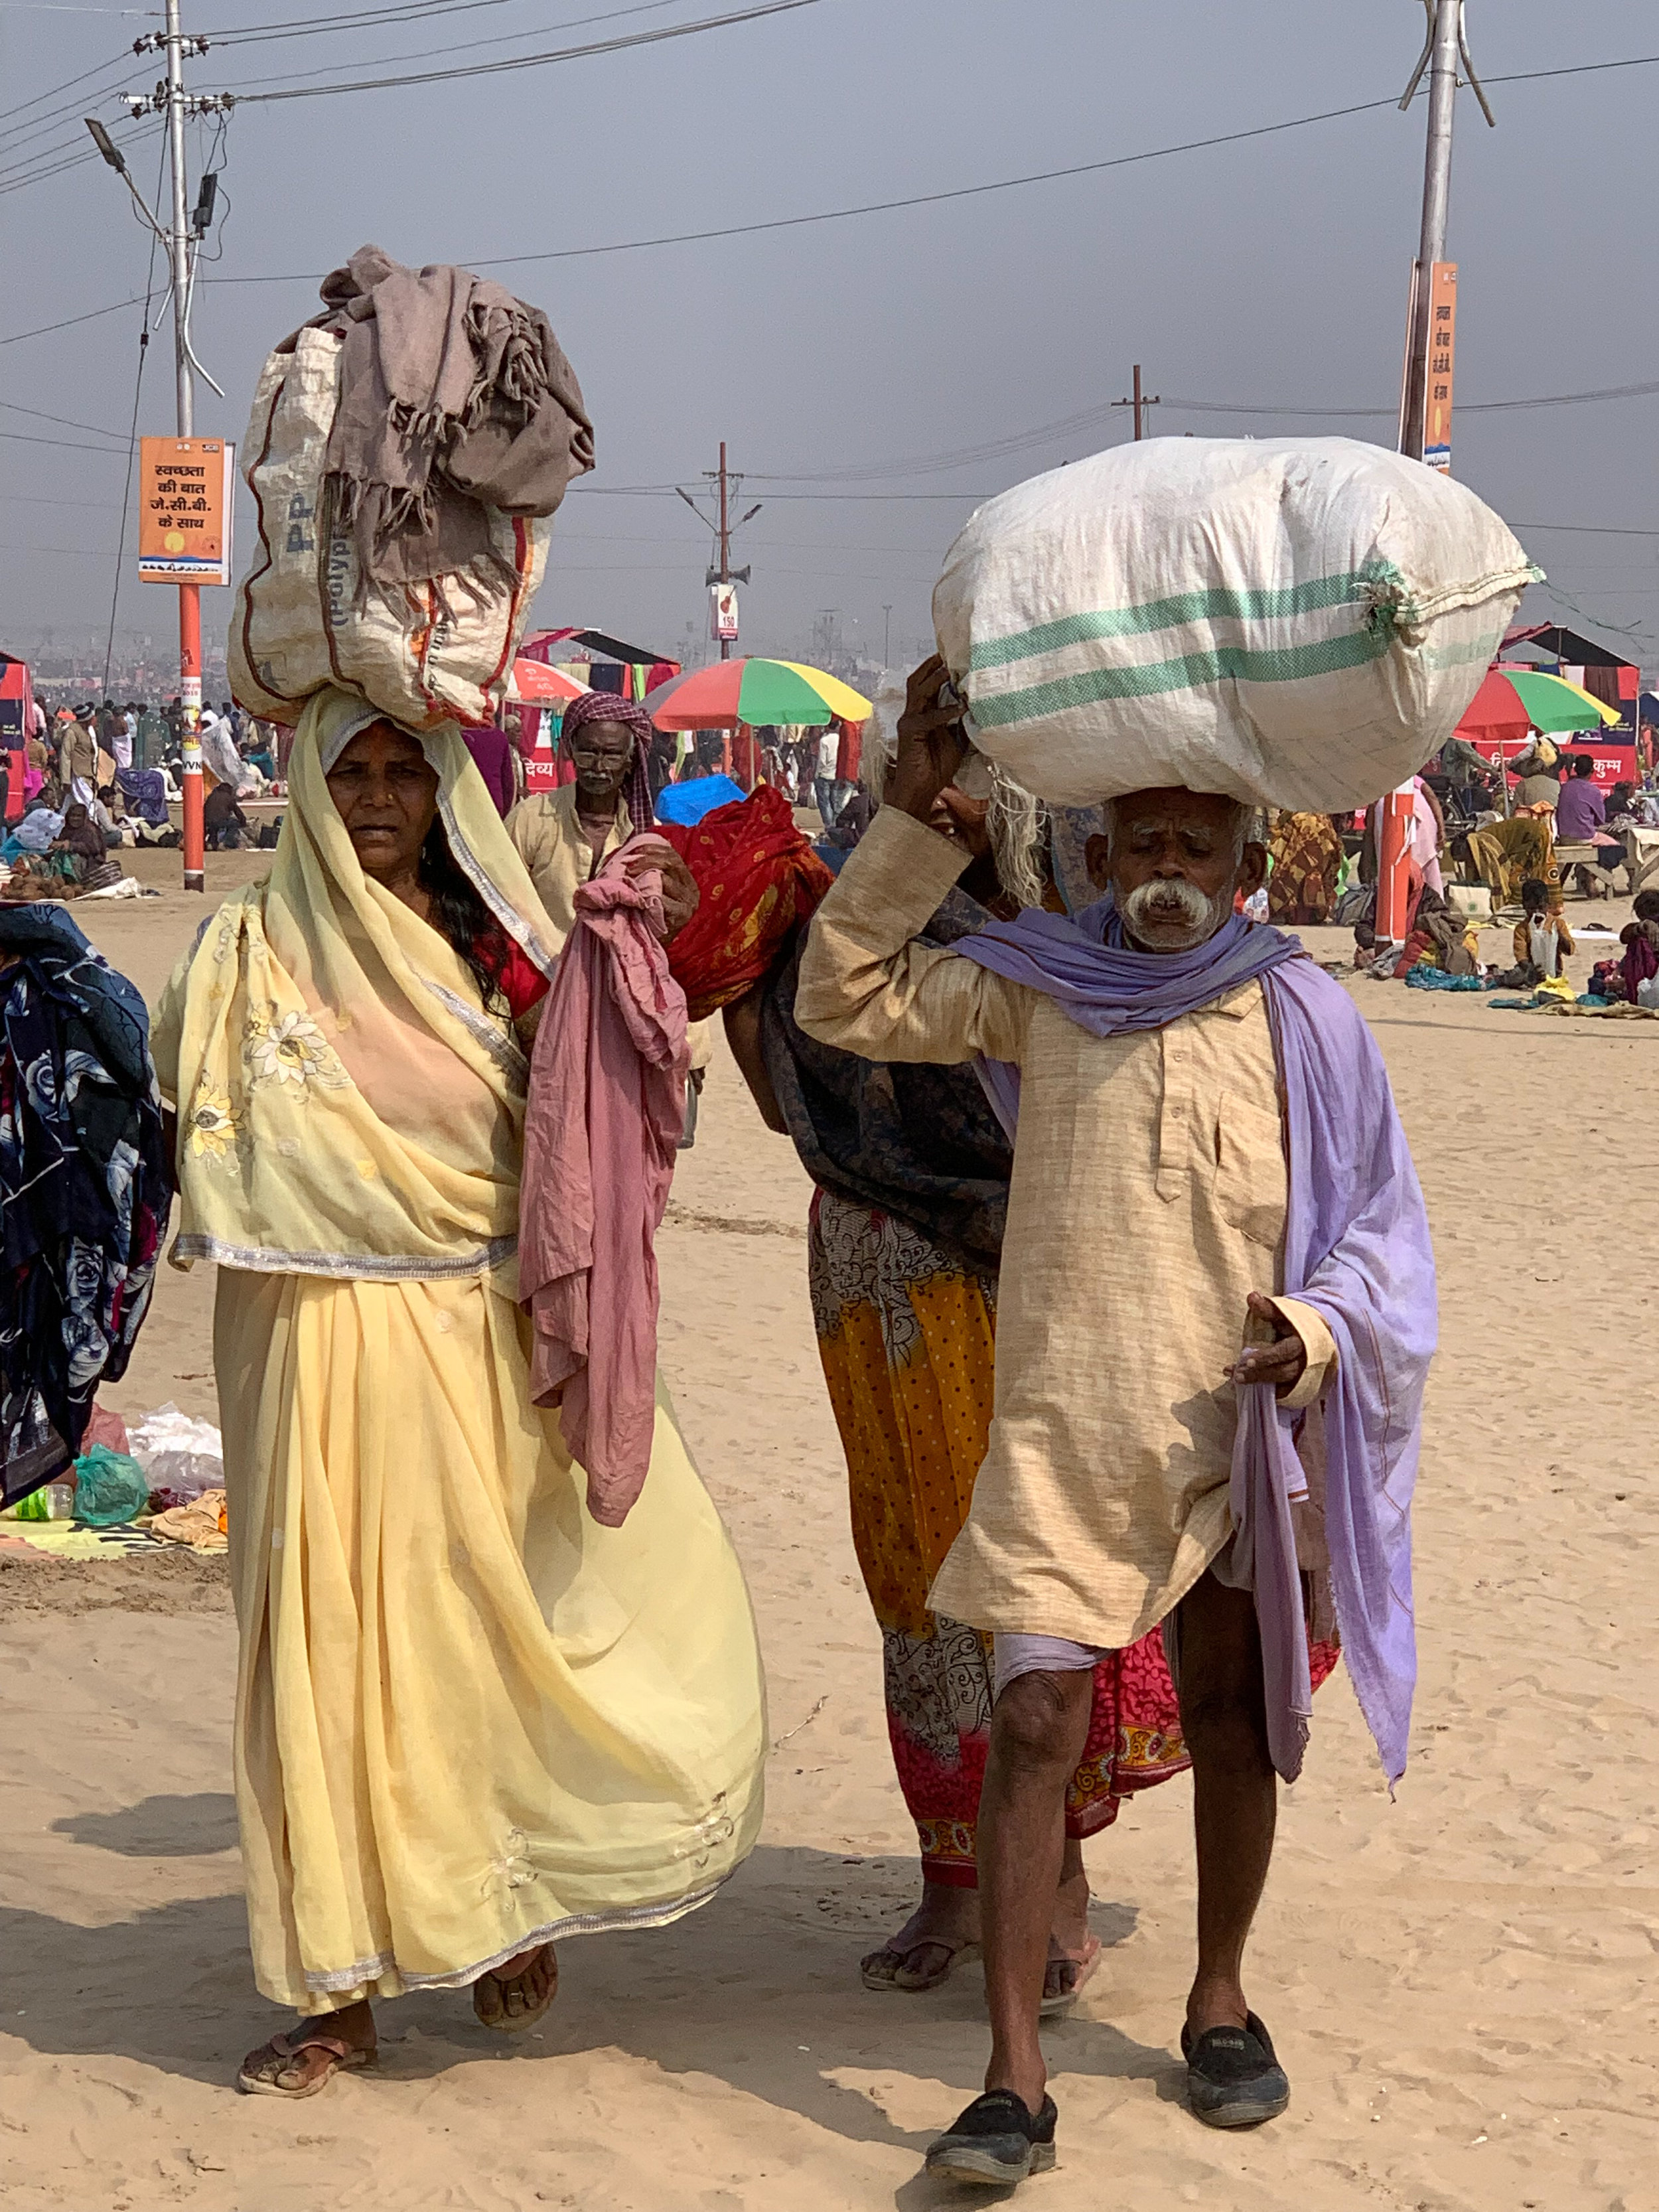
(1235,1790)
(1037,1732)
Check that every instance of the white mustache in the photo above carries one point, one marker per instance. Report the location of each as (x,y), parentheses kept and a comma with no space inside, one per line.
(1173,913)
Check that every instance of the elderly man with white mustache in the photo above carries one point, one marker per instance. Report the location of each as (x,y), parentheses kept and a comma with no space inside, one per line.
(1147,1236)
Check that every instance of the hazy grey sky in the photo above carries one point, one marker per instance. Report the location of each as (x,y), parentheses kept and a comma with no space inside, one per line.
(1268,273)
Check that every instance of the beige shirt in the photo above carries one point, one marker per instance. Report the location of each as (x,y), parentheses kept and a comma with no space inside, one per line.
(1148,1201)
(553,845)
(551,842)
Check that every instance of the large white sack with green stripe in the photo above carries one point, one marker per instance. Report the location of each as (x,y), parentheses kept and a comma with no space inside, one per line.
(1295,622)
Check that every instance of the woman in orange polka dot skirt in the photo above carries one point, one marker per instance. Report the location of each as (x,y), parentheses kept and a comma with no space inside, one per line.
(905,1236)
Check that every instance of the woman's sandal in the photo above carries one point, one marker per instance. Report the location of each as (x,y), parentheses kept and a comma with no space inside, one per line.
(901,1978)
(288,2048)
(1086,1960)
(515,2023)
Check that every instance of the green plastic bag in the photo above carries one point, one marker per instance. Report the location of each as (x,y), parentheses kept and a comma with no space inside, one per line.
(109,1488)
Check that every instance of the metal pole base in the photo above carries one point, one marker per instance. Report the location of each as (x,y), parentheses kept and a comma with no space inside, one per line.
(195,879)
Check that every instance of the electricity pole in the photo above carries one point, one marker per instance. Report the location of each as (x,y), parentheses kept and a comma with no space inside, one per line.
(1444,49)
(178,235)
(1141,402)
(725,545)
(721,572)
(189,595)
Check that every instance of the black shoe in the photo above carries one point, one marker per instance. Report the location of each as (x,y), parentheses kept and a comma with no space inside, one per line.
(1233,2078)
(996,2140)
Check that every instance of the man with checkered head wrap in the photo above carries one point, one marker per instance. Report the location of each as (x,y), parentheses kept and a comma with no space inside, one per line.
(565,837)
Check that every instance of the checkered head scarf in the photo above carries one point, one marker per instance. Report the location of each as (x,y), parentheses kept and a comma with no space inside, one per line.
(609,706)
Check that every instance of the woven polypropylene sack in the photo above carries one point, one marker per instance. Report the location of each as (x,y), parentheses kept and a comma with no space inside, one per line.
(424,654)
(1296,623)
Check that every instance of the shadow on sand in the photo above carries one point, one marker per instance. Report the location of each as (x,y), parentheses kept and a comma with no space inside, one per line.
(759,1989)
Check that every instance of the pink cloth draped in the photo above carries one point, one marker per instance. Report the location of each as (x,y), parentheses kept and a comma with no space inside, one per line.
(605,1114)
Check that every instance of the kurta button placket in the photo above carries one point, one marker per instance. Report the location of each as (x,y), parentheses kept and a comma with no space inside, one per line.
(1174,1115)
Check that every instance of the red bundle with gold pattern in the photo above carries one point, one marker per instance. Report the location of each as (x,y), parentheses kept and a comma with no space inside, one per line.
(757,878)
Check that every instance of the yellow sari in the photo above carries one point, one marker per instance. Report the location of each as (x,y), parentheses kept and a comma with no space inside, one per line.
(468,1719)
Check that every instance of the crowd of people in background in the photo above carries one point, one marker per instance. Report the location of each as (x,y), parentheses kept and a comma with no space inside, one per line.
(1517,837)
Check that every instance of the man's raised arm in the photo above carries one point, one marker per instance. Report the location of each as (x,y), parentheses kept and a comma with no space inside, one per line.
(864,986)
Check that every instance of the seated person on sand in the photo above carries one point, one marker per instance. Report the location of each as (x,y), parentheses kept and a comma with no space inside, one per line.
(1440,938)
(109,814)
(74,861)
(1640,939)
(1543,943)
(223,823)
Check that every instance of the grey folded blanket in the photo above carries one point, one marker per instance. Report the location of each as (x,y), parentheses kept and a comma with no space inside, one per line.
(454,397)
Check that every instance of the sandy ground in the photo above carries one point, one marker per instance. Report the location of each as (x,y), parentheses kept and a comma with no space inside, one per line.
(1460,1982)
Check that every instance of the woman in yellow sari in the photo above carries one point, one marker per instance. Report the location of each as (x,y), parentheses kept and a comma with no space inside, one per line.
(469,1720)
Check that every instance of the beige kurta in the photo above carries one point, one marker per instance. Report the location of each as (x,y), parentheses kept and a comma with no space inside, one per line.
(1147,1202)
(553,845)
(551,842)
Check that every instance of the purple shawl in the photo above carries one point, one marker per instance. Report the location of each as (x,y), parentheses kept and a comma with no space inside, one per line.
(1357,1249)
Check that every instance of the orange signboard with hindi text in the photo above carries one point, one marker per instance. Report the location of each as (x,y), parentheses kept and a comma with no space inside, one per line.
(1443,347)
(185,510)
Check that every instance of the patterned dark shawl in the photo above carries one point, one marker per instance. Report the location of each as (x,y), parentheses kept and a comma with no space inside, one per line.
(920,1142)
(85,1185)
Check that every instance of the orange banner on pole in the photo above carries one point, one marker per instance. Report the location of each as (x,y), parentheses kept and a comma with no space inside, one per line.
(1443,347)
(185,510)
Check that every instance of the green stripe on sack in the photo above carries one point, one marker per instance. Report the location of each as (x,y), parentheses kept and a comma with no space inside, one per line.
(1219,604)
(1284,665)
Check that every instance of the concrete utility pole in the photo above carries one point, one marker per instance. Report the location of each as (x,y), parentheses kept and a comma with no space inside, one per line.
(189,595)
(1141,401)
(1445,49)
(725,486)
(178,235)
(726,545)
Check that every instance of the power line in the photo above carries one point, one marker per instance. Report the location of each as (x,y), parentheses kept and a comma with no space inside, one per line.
(238,85)
(372,19)
(64,422)
(539,60)
(71,153)
(122,61)
(72,444)
(1587,529)
(932,199)
(923,199)
(1464,407)
(874,207)
(69,323)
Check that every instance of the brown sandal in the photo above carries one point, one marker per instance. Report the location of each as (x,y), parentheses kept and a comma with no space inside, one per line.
(516,2023)
(344,2055)
(1086,1960)
(904,1977)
